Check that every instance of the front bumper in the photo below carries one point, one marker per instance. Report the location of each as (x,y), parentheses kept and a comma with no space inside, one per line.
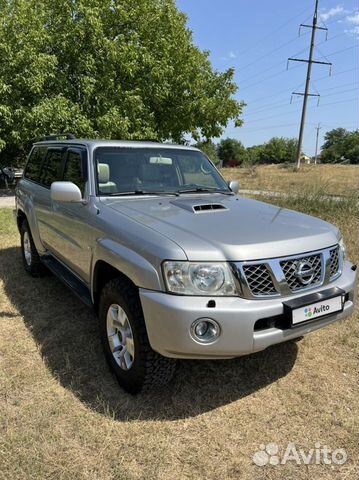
(169,318)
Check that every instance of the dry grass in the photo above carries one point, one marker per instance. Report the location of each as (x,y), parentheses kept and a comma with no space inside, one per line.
(63,416)
(333,179)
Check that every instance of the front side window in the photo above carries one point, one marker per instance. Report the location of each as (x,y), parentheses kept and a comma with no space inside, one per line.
(73,170)
(33,166)
(51,169)
(145,170)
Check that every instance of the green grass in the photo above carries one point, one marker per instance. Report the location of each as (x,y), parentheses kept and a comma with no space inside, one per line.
(343,213)
(331,179)
(7,222)
(64,417)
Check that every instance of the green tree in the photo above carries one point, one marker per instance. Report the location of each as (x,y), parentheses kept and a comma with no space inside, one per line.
(278,150)
(352,147)
(210,149)
(254,154)
(106,68)
(340,144)
(231,152)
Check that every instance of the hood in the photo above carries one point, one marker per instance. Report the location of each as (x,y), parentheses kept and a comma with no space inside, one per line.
(218,227)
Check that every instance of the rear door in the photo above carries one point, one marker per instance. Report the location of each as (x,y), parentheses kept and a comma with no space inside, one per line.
(31,196)
(51,171)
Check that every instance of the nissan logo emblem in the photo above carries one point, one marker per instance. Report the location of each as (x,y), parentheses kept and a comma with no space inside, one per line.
(304,272)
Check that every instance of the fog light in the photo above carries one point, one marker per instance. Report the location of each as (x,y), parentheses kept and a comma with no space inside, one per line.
(205,330)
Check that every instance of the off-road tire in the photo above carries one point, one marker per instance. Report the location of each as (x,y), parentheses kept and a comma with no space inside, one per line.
(34,267)
(149,370)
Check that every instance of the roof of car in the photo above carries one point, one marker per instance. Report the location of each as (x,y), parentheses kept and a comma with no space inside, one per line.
(114,143)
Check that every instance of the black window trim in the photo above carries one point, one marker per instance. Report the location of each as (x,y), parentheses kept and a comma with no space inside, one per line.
(51,148)
(83,156)
(78,148)
(42,162)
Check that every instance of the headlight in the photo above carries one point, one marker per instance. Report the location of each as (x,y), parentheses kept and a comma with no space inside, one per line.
(342,247)
(189,278)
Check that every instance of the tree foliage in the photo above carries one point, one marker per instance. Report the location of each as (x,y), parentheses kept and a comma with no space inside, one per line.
(339,145)
(210,149)
(231,152)
(278,150)
(106,68)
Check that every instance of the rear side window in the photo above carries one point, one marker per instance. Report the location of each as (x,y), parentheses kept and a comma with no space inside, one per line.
(74,170)
(52,167)
(33,166)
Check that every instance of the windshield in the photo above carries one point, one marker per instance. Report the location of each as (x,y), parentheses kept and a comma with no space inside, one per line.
(157,170)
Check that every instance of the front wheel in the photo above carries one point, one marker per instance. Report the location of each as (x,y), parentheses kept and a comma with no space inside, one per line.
(125,341)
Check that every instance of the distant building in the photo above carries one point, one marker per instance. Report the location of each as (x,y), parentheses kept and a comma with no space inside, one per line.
(306,159)
(309,160)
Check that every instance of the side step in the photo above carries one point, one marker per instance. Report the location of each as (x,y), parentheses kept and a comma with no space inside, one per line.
(69,279)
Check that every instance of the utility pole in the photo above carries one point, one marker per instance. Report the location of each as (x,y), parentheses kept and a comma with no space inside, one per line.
(316,144)
(306,93)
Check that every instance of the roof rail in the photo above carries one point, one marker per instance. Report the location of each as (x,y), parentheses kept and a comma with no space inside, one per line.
(59,136)
(154,140)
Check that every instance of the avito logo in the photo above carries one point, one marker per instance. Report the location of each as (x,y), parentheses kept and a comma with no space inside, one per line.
(309,311)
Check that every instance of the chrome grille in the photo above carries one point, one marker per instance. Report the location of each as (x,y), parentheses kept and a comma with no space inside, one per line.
(284,276)
(259,280)
(290,267)
(334,262)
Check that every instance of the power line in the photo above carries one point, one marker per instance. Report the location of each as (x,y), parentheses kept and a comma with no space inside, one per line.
(354,127)
(270,68)
(337,73)
(339,51)
(269,53)
(255,129)
(284,92)
(339,86)
(274,32)
(265,108)
(340,92)
(283,71)
(274,116)
(342,101)
(283,104)
(267,78)
(279,48)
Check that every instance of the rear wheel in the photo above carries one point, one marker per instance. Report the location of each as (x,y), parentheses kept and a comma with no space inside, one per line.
(125,341)
(30,257)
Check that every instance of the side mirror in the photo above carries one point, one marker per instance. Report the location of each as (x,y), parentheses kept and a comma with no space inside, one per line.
(234,186)
(65,192)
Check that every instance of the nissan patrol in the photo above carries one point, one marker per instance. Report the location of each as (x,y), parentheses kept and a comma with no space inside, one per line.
(175,263)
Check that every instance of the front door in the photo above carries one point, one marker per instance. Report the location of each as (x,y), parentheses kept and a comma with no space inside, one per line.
(71,229)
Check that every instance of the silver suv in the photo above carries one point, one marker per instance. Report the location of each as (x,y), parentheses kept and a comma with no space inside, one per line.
(174,263)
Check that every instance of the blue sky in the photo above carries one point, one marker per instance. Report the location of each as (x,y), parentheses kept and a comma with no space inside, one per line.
(256,38)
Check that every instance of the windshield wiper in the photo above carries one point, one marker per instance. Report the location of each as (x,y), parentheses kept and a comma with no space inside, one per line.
(204,190)
(141,192)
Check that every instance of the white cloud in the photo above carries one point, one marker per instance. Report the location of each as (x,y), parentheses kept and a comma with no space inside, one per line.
(230,56)
(333,12)
(353,19)
(353,31)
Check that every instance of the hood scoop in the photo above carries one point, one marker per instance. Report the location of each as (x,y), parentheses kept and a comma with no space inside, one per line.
(199,206)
